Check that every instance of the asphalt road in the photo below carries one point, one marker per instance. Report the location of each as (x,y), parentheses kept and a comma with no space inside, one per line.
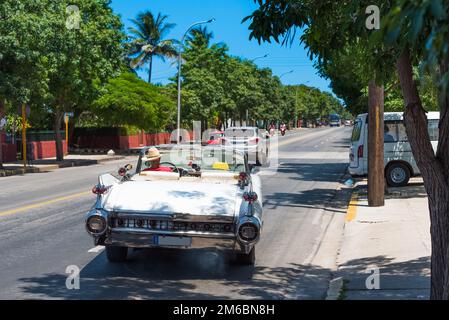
(42,233)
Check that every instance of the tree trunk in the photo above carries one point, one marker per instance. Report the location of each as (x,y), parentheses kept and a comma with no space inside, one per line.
(58,139)
(376,166)
(150,71)
(434,170)
(72,129)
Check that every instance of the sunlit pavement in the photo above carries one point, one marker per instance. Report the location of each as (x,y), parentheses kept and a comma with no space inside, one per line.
(42,233)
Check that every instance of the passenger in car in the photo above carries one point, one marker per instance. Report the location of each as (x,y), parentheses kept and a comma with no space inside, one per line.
(152,160)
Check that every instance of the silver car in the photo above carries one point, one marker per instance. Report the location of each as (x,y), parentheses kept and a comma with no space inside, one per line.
(250,140)
(210,200)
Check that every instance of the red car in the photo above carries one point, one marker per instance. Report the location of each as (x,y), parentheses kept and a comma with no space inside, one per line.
(215,137)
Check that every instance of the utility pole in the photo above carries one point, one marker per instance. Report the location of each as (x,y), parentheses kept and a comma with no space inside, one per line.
(178,122)
(24,136)
(376,167)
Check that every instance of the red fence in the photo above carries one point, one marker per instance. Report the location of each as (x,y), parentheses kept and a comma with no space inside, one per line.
(9,153)
(35,150)
(122,142)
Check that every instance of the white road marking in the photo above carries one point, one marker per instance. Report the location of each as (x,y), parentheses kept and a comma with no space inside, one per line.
(97,249)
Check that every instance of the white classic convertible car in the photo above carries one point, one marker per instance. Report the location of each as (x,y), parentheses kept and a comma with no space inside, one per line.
(208,199)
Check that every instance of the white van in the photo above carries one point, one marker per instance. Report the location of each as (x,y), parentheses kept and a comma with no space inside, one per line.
(400,164)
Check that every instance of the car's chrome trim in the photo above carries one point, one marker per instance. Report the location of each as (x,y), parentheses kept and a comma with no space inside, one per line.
(173,233)
(132,240)
(178,217)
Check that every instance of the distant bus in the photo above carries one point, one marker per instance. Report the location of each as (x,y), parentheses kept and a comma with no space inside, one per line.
(334,120)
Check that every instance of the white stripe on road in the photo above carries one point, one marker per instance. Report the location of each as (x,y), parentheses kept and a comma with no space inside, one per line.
(97,249)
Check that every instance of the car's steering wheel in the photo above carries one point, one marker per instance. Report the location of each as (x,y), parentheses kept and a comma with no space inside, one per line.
(175,168)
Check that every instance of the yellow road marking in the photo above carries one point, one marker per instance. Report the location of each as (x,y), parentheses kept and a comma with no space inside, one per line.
(352,210)
(44,203)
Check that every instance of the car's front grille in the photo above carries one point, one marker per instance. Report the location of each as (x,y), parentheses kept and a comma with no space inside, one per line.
(167,225)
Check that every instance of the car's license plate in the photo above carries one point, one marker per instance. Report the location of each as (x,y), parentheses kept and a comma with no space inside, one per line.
(171,241)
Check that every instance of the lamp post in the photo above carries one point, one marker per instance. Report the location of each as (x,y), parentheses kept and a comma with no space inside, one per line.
(284,74)
(179,72)
(261,57)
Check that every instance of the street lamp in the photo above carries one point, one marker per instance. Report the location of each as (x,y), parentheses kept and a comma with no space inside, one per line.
(284,74)
(179,71)
(261,57)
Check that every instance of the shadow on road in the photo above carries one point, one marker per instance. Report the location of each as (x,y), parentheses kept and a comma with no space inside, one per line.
(170,275)
(320,195)
(397,280)
(314,171)
(165,274)
(311,199)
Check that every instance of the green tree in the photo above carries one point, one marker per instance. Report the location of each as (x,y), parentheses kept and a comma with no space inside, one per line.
(148,40)
(199,37)
(130,101)
(23,71)
(413,33)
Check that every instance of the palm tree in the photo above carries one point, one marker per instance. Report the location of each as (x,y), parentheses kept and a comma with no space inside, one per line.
(199,37)
(147,40)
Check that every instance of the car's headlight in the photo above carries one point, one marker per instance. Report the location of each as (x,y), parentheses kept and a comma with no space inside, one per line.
(248,232)
(96,225)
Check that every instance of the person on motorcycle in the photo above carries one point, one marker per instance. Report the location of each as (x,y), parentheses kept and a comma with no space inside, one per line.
(272,129)
(283,128)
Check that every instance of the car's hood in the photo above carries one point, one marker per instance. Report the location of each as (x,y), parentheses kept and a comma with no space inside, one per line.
(168,197)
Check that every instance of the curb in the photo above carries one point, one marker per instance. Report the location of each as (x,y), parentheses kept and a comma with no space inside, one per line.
(15,172)
(47,168)
(337,285)
(87,151)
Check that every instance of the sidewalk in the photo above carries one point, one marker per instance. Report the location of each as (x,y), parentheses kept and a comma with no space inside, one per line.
(49,164)
(395,239)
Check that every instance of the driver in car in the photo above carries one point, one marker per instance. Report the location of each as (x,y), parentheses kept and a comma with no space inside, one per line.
(152,160)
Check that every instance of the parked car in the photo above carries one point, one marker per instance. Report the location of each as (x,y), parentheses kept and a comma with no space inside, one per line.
(250,140)
(210,199)
(400,164)
(215,137)
(348,123)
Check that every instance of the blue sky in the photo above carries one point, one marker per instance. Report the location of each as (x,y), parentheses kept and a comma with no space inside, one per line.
(228,29)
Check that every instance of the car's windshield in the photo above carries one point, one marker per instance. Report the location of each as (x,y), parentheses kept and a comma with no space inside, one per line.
(334,117)
(239,133)
(206,159)
(217,159)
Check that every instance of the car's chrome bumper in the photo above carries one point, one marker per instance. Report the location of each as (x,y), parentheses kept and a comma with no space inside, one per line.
(142,237)
(356,171)
(132,238)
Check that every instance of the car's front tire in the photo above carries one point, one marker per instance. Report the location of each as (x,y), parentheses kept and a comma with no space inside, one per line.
(116,254)
(247,259)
